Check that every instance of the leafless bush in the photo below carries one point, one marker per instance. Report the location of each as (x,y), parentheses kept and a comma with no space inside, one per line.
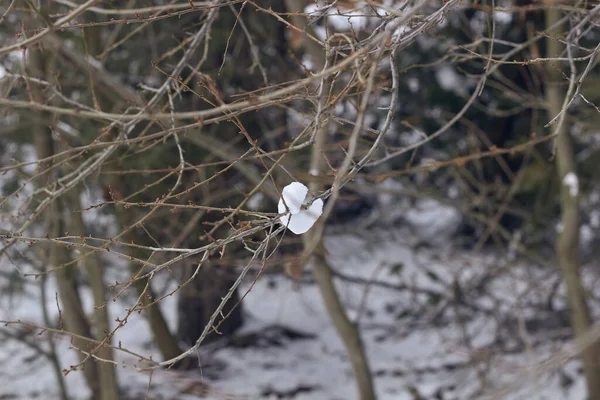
(160,138)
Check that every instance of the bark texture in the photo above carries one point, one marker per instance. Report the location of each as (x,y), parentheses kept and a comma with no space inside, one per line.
(347,329)
(166,342)
(101,327)
(74,319)
(567,243)
(200,297)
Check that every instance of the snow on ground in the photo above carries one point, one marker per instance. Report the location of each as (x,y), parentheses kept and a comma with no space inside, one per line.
(436,322)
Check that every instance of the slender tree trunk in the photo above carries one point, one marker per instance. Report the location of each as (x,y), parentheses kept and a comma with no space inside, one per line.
(167,343)
(347,329)
(199,298)
(106,370)
(323,275)
(313,49)
(73,316)
(54,360)
(567,244)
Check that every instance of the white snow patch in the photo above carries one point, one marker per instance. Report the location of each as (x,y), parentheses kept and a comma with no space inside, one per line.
(386,191)
(405,353)
(68,129)
(453,192)
(311,8)
(433,220)
(447,78)
(478,22)
(586,234)
(9,120)
(29,155)
(308,64)
(95,218)
(255,201)
(514,245)
(410,138)
(95,63)
(320,32)
(399,32)
(350,20)
(572,182)
(503,17)
(413,84)
(595,219)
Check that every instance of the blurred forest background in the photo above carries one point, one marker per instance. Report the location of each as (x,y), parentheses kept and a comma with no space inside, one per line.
(144,145)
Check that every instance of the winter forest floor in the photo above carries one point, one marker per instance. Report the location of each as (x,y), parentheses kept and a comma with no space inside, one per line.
(437,323)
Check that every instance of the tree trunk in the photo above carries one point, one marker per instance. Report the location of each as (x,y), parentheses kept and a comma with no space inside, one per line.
(101,326)
(167,343)
(54,360)
(567,244)
(347,329)
(73,315)
(200,297)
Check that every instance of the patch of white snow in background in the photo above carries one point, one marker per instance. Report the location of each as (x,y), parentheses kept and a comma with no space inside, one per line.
(387,191)
(296,219)
(595,218)
(311,8)
(320,32)
(503,17)
(297,122)
(513,246)
(28,377)
(95,217)
(68,129)
(586,234)
(453,192)
(98,65)
(25,373)
(397,352)
(572,182)
(413,84)
(16,57)
(479,22)
(28,155)
(409,138)
(433,220)
(9,120)
(399,31)
(447,78)
(308,64)
(254,203)
(423,355)
(354,20)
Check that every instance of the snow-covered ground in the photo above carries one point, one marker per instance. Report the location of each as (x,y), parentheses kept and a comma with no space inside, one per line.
(436,322)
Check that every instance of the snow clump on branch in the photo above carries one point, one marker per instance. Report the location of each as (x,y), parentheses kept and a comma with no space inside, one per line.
(297,217)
